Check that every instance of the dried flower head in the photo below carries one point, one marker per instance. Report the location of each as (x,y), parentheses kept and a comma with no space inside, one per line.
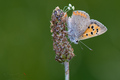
(61,45)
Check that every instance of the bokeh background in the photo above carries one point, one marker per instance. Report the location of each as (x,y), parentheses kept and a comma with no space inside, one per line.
(26,51)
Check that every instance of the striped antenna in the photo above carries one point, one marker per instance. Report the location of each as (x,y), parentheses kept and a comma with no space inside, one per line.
(86,46)
(68,8)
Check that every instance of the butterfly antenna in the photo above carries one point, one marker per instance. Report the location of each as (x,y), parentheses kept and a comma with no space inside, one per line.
(81,46)
(68,8)
(70,42)
(86,46)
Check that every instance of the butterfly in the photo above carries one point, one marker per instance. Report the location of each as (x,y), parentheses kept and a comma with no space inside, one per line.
(81,27)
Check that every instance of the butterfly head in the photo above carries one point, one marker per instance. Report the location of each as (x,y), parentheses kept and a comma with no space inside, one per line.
(76,42)
(73,39)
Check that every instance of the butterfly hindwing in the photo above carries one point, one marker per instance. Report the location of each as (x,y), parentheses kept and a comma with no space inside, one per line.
(94,29)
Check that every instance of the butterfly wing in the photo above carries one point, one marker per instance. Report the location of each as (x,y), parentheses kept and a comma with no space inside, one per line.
(94,29)
(77,24)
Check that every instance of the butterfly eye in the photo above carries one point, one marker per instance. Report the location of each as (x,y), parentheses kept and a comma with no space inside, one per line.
(77,41)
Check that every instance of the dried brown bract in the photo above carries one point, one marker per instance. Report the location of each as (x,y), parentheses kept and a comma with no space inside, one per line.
(61,45)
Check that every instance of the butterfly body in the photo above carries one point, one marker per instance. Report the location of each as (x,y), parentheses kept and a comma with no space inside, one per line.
(80,27)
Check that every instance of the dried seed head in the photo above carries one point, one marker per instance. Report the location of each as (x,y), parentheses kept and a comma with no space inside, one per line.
(61,46)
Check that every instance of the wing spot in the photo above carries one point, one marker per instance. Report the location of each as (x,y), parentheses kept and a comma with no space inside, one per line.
(97,30)
(95,23)
(92,27)
(86,34)
(82,14)
(74,13)
(91,33)
(91,22)
(77,13)
(65,15)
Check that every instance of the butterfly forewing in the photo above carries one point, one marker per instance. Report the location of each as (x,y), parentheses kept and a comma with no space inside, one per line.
(77,24)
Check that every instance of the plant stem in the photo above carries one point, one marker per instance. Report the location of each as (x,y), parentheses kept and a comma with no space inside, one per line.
(66,64)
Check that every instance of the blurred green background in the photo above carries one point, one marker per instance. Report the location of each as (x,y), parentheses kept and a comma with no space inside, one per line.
(26,51)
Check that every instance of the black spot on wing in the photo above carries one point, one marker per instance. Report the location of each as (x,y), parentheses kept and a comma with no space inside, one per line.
(92,27)
(97,30)
(91,22)
(88,27)
(86,34)
(91,33)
